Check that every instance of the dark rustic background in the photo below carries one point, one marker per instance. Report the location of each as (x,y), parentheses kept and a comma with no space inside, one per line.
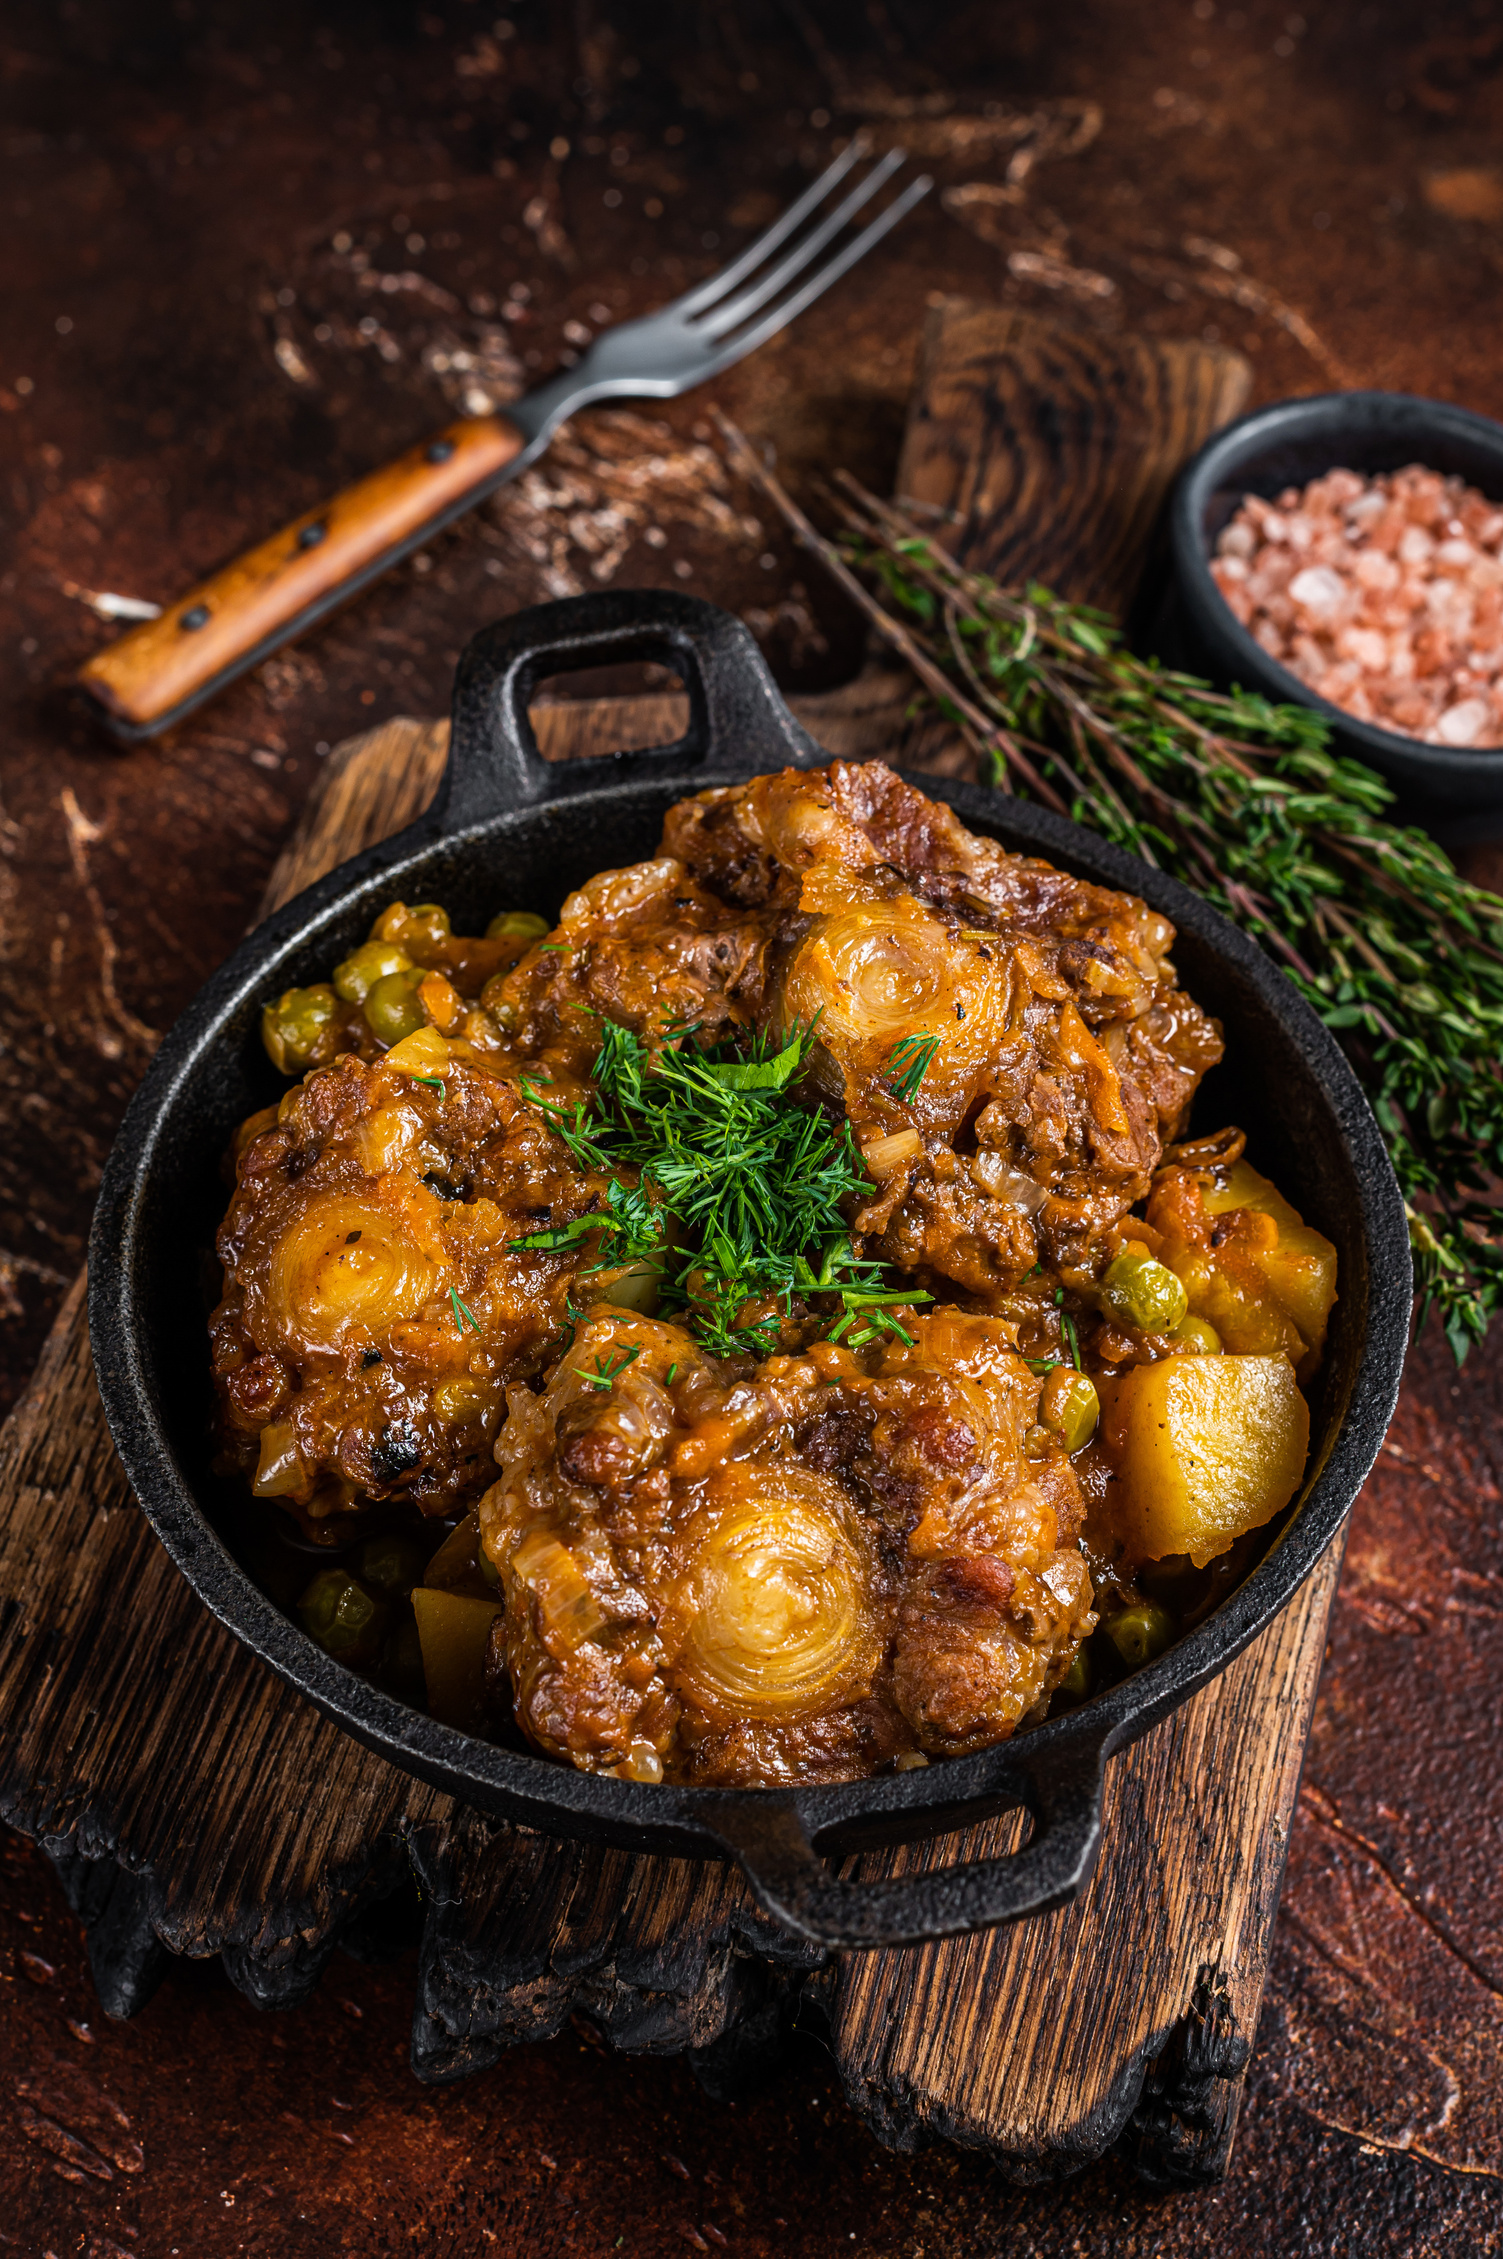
(248,251)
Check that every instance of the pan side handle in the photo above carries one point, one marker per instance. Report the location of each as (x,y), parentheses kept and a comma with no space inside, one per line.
(738,722)
(767,1837)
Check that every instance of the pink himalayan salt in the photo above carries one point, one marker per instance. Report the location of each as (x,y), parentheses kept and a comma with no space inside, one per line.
(1384,594)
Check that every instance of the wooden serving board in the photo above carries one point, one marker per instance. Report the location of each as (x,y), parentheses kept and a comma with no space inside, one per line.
(194,1805)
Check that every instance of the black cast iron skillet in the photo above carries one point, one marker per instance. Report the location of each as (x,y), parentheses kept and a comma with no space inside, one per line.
(509,830)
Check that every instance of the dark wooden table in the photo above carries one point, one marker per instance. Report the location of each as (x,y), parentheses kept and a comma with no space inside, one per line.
(248,251)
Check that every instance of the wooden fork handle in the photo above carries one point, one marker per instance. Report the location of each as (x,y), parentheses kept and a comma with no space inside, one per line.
(160,671)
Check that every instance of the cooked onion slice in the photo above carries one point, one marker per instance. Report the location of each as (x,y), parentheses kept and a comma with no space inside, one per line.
(875,974)
(779,1601)
(346,1267)
(878,969)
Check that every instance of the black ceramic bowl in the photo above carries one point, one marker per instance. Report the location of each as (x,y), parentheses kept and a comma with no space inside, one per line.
(507,827)
(1288,444)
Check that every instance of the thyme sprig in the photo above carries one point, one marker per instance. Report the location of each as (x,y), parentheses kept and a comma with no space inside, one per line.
(1244,801)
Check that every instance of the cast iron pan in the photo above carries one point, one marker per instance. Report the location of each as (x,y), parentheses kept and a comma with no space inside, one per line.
(509,829)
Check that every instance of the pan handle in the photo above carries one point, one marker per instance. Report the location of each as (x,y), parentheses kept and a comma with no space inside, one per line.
(738,723)
(791,1882)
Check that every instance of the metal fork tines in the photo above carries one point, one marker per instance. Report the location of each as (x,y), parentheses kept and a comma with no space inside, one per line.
(738,309)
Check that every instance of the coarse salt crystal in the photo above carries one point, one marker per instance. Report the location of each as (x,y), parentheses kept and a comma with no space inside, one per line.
(1346,584)
(1318,589)
(1368,648)
(1373,570)
(1462,724)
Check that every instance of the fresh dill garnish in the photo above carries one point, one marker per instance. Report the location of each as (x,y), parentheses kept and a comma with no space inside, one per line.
(609,1369)
(630,1220)
(1248,803)
(570,1123)
(1071,1336)
(463,1314)
(910,1062)
(709,1143)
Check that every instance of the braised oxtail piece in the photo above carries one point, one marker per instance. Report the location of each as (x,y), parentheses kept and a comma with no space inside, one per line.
(770,1325)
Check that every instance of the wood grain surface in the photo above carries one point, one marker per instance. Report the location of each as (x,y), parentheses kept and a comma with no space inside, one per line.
(184,188)
(1044,453)
(155,672)
(194,1805)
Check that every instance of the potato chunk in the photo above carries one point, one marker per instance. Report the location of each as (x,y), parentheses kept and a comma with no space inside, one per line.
(1250,1266)
(455,1631)
(1204,1448)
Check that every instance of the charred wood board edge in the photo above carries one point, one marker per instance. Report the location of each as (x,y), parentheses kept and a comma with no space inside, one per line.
(502,1961)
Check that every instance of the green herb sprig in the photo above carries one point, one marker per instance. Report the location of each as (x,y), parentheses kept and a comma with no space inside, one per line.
(1243,800)
(719,1177)
(910,1061)
(608,1370)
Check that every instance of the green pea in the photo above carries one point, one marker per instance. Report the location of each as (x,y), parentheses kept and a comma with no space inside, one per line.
(1140,1633)
(1199,1337)
(517,925)
(392,1563)
(373,961)
(392,1009)
(291,1028)
(427,921)
(1070,1406)
(1077,1680)
(347,1621)
(1144,1293)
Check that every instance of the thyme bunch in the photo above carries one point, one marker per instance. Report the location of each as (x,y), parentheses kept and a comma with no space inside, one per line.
(1244,801)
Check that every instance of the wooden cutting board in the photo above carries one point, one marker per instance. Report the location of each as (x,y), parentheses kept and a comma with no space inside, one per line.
(192,1804)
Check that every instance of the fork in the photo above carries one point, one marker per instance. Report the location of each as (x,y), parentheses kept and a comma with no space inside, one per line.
(160,671)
